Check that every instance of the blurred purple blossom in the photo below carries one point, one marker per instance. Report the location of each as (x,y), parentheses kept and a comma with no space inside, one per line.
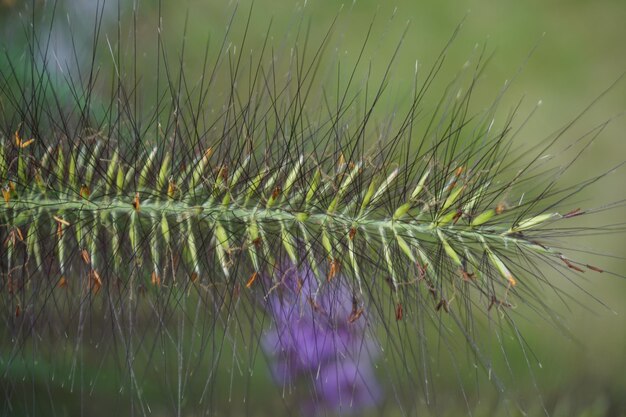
(320,335)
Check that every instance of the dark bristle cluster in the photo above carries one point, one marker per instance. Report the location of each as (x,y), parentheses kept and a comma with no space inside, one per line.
(94,207)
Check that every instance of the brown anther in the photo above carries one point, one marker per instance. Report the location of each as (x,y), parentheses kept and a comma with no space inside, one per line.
(356,311)
(276,192)
(171,188)
(253,278)
(573,213)
(223,172)
(421,270)
(85,191)
(443,303)
(20,143)
(316,307)
(594,268)
(571,265)
(257,242)
(62,282)
(352,233)
(6,194)
(342,159)
(136,202)
(457,216)
(500,208)
(155,279)
(60,223)
(399,312)
(193,277)
(497,303)
(18,310)
(335,267)
(95,283)
(85,256)
(355,315)
(467,276)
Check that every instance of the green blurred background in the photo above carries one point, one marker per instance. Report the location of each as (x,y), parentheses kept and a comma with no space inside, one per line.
(580,51)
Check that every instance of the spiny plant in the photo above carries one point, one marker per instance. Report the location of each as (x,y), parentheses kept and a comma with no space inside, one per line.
(151,253)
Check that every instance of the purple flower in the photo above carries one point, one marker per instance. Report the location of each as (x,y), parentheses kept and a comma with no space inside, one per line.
(345,386)
(320,338)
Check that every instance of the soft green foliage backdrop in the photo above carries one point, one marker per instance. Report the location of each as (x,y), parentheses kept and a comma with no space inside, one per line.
(580,53)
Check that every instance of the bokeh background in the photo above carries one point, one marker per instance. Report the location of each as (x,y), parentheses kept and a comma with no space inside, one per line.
(564,53)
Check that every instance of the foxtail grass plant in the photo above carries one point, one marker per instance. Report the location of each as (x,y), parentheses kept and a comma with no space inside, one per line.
(263,238)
